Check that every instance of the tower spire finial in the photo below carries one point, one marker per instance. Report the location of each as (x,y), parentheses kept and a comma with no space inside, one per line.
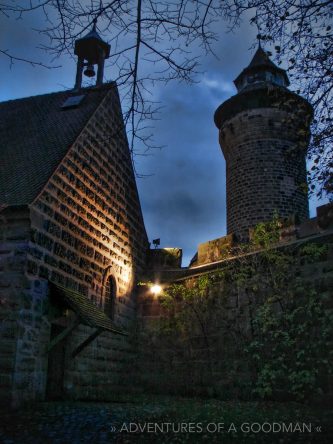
(94,23)
(259,40)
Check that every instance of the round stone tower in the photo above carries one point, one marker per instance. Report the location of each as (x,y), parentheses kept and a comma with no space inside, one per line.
(264,134)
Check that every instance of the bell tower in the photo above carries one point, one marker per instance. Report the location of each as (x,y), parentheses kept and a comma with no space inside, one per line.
(91,50)
(264,134)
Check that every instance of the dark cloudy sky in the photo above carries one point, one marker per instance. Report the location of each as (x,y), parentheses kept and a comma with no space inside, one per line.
(183,195)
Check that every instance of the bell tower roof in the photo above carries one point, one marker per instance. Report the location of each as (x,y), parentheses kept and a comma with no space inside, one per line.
(91,44)
(90,50)
(261,70)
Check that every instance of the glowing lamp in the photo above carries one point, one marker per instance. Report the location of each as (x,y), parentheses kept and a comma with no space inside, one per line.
(156,289)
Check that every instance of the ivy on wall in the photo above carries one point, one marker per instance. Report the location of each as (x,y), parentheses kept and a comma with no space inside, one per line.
(261,326)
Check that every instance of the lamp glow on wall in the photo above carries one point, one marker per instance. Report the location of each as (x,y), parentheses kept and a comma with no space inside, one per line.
(127,274)
(156,289)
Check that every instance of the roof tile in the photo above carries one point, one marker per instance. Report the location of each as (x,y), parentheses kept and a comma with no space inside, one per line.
(35,135)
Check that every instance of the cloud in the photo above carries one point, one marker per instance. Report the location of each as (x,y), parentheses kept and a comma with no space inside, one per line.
(218,85)
(184,200)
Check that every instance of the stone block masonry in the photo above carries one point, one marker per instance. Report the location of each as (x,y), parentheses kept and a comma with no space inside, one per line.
(83,228)
(23,302)
(200,347)
(266,170)
(86,226)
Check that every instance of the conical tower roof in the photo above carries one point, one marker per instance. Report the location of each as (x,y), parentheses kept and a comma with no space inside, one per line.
(261,58)
(261,63)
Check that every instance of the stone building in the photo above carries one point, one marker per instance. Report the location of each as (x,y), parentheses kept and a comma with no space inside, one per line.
(73,241)
(264,134)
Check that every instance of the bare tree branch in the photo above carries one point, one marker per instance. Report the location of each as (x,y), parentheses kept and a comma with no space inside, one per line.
(168,33)
(13,59)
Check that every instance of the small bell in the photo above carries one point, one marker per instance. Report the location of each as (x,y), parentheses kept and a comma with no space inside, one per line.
(89,71)
(91,50)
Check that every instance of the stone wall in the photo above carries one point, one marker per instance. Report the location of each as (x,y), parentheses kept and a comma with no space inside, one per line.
(23,327)
(85,226)
(265,151)
(213,361)
(214,250)
(164,258)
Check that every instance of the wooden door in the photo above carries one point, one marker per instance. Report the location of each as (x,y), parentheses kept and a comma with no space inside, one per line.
(56,366)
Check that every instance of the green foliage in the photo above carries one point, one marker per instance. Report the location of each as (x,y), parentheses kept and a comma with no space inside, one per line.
(189,307)
(267,234)
(292,350)
(292,327)
(314,252)
(286,351)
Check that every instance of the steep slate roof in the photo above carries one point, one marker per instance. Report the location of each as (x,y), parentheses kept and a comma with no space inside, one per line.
(261,61)
(35,135)
(261,58)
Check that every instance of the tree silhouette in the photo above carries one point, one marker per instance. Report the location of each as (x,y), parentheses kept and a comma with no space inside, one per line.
(155,41)
(300,35)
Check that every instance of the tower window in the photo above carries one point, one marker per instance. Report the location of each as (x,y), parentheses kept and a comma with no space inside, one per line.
(110,297)
(278,80)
